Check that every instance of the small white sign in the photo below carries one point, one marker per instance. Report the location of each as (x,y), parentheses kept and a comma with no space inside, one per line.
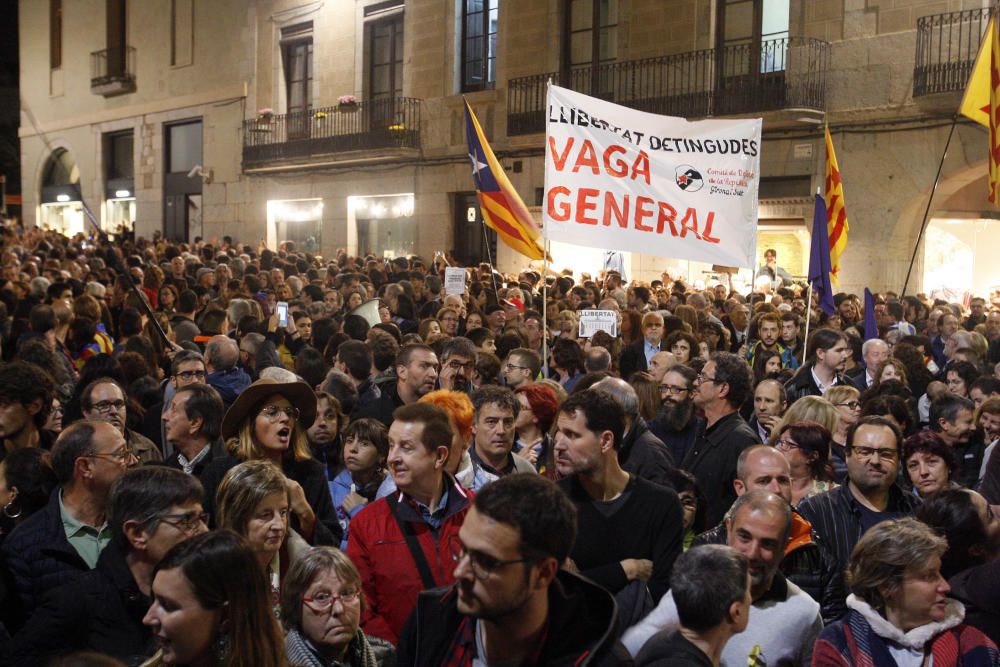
(592,321)
(454,280)
(802,151)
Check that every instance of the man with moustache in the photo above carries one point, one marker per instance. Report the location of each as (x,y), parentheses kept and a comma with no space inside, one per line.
(677,422)
(416,374)
(458,363)
(512,603)
(784,621)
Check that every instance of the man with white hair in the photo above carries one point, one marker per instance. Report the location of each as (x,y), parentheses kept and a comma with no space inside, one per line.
(641,452)
(874,351)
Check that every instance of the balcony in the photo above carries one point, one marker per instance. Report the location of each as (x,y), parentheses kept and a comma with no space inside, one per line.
(338,133)
(112,71)
(787,73)
(947,45)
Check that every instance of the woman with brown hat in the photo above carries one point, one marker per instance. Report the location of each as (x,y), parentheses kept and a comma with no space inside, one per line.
(269,421)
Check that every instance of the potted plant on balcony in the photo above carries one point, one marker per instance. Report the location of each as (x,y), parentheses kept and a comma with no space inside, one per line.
(319,116)
(265,115)
(347,103)
(398,133)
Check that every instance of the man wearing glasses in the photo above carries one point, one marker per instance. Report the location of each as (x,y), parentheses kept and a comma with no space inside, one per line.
(104,399)
(186,368)
(151,509)
(458,364)
(677,423)
(841,516)
(721,388)
(522,366)
(56,544)
(511,602)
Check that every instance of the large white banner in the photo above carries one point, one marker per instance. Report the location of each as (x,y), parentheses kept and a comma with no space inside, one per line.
(622,179)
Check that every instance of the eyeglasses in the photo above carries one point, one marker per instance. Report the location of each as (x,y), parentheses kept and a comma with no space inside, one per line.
(704,378)
(868,452)
(274,412)
(324,601)
(672,390)
(191,375)
(449,319)
(186,522)
(853,405)
(785,445)
(509,366)
(108,406)
(121,454)
(459,366)
(482,565)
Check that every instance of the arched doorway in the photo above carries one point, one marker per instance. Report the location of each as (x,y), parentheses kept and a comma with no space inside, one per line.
(61,208)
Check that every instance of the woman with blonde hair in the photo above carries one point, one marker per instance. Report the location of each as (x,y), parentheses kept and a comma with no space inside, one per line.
(808,408)
(847,399)
(268,421)
(253,501)
(210,606)
(689,316)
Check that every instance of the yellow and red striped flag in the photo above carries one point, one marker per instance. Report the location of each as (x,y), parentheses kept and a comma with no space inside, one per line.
(836,211)
(981,101)
(502,207)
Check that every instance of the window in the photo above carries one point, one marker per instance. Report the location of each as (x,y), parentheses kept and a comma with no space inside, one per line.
(592,30)
(479,44)
(753,36)
(119,156)
(183,147)
(117,32)
(55,34)
(297,58)
(181,32)
(385,49)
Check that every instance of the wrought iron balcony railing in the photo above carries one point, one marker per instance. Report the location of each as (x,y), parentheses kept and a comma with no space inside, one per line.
(387,123)
(112,71)
(777,74)
(947,45)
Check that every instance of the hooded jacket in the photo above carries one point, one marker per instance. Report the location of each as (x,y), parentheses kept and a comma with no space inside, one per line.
(581,626)
(229,383)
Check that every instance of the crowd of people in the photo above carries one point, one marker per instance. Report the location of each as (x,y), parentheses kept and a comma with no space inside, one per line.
(220,454)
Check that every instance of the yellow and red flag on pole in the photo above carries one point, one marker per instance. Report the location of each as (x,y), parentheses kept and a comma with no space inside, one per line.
(981,101)
(836,211)
(502,207)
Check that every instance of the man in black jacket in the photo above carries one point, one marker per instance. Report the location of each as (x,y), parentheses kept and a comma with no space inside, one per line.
(511,603)
(641,452)
(826,354)
(721,388)
(151,509)
(807,561)
(416,374)
(636,356)
(55,545)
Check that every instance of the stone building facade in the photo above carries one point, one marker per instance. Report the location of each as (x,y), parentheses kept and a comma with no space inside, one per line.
(233,117)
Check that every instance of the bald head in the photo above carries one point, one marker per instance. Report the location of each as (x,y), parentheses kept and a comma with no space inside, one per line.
(661,363)
(622,392)
(221,354)
(763,467)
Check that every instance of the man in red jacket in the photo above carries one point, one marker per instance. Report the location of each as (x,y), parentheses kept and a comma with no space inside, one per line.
(400,543)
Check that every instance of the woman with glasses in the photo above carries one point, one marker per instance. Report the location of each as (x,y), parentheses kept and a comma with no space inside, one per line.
(321,605)
(847,400)
(268,421)
(210,606)
(806,447)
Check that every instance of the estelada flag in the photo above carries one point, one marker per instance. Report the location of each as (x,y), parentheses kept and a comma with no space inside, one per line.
(502,207)
(836,210)
(982,98)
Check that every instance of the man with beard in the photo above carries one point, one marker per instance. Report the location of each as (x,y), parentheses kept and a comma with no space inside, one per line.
(769,404)
(496,410)
(416,374)
(324,434)
(629,529)
(676,423)
(458,364)
(841,516)
(104,399)
(512,602)
(25,402)
(768,334)
(785,621)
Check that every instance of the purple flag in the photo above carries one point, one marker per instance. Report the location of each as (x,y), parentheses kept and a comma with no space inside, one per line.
(819,259)
(871,326)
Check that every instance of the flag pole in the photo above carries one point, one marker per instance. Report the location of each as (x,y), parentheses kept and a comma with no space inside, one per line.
(809,310)
(545,274)
(927,209)
(489,256)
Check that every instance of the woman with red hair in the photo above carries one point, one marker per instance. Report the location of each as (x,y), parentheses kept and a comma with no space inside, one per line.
(539,407)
